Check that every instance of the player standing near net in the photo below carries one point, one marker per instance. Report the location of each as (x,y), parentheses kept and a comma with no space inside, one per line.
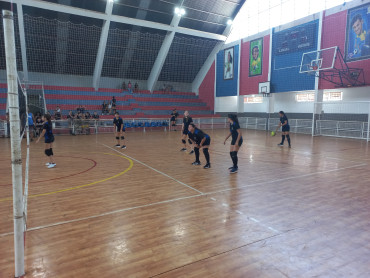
(200,140)
(119,130)
(31,125)
(47,131)
(174,116)
(185,130)
(285,128)
(236,141)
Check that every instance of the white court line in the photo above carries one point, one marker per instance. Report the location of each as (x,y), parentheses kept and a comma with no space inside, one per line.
(284,179)
(142,163)
(106,213)
(179,199)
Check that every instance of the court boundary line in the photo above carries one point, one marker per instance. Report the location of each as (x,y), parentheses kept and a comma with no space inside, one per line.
(159,172)
(177,199)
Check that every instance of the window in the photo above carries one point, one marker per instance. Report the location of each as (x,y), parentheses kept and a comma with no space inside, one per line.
(307,97)
(333,96)
(253,99)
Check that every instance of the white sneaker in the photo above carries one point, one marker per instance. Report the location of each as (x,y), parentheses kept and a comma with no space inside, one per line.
(52,165)
(47,164)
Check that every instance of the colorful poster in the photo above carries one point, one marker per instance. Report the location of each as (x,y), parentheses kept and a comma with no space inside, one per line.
(255,57)
(358,33)
(229,63)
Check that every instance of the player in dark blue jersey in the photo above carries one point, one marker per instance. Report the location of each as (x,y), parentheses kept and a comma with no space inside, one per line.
(200,140)
(285,128)
(185,130)
(119,130)
(47,132)
(174,116)
(236,141)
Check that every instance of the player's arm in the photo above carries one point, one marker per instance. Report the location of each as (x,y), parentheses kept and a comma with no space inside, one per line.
(239,136)
(227,137)
(41,135)
(202,142)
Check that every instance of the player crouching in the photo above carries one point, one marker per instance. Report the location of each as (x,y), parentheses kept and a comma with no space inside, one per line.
(200,140)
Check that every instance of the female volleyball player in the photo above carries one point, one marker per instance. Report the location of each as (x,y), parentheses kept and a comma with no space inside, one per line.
(285,128)
(119,130)
(185,130)
(47,131)
(174,116)
(200,140)
(236,141)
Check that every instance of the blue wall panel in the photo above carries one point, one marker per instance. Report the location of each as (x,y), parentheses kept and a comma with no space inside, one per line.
(226,88)
(285,74)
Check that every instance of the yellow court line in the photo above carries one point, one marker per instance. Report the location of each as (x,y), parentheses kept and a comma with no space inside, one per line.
(84,185)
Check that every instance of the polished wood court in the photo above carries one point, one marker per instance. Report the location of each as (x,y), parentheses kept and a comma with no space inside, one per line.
(147,212)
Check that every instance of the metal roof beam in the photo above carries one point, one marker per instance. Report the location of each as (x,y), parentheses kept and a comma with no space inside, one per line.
(116,18)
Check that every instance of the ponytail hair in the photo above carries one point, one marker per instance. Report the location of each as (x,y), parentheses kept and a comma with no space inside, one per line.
(48,118)
(234,118)
(282,112)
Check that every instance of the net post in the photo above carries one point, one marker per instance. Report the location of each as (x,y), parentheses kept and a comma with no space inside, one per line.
(16,156)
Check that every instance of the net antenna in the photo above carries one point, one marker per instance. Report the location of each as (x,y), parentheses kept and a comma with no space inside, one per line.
(15,130)
(328,64)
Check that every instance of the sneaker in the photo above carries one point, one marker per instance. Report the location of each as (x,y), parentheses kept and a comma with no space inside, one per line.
(234,170)
(52,165)
(232,167)
(195,163)
(183,150)
(47,164)
(208,165)
(280,145)
(123,147)
(191,152)
(290,146)
(118,145)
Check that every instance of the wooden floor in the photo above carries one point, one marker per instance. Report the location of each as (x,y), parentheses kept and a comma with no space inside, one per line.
(147,212)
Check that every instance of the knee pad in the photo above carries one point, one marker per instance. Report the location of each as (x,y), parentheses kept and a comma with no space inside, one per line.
(51,151)
(183,141)
(117,137)
(47,152)
(190,141)
(122,137)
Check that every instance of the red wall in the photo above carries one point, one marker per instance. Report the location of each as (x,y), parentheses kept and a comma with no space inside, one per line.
(334,34)
(207,88)
(249,85)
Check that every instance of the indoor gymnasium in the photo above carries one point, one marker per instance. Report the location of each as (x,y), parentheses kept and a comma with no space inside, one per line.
(185,138)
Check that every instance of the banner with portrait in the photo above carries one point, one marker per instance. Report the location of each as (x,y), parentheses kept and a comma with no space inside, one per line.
(358,33)
(255,57)
(229,63)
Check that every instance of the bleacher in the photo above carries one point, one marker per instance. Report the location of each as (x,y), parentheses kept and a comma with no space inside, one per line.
(130,105)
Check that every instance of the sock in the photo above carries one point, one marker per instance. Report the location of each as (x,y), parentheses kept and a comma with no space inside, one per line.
(282,139)
(235,159)
(196,150)
(288,138)
(51,151)
(231,155)
(206,155)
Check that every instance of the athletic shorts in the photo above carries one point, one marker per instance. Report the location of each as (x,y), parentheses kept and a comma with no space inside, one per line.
(285,128)
(185,132)
(233,141)
(173,119)
(207,142)
(49,140)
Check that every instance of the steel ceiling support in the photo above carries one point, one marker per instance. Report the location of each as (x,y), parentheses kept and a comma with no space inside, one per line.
(102,46)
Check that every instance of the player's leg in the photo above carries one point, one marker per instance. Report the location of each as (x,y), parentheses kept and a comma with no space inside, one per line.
(206,155)
(197,161)
(117,134)
(234,156)
(51,157)
(191,146)
(282,139)
(183,137)
(123,140)
(288,138)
